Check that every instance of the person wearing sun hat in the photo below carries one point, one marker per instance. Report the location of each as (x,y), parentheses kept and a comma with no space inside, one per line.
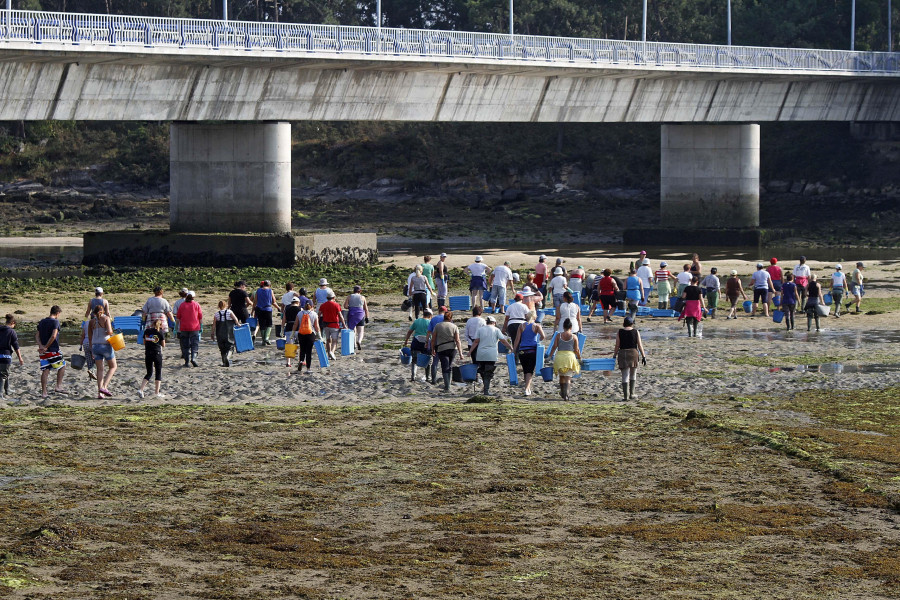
(540,272)
(478,272)
(838,285)
(321,293)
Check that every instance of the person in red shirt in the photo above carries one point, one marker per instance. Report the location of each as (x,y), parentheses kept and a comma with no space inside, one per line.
(608,288)
(540,272)
(332,322)
(776,275)
(190,315)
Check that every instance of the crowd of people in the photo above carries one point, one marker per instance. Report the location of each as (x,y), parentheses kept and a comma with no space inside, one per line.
(516,325)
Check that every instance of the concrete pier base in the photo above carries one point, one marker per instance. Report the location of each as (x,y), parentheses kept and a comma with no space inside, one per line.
(164,248)
(709,176)
(230,178)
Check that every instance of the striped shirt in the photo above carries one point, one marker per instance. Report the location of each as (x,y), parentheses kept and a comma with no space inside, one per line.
(663,275)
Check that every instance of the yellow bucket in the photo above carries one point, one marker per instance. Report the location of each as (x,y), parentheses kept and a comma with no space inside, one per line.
(290,350)
(117,341)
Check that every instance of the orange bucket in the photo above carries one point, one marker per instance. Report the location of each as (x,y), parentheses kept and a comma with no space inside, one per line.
(117,341)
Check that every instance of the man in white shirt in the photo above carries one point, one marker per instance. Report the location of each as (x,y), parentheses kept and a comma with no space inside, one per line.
(515,317)
(838,287)
(501,279)
(645,274)
(473,324)
(762,285)
(286,299)
(478,271)
(557,286)
(684,279)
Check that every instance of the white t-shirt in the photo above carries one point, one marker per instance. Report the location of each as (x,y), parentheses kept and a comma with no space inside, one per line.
(685,277)
(472,327)
(568,310)
(286,299)
(838,279)
(488,336)
(558,284)
(516,312)
(801,271)
(761,279)
(477,269)
(645,274)
(502,276)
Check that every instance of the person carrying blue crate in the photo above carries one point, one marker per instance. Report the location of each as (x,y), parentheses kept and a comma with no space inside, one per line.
(712,286)
(485,350)
(525,344)
(418,331)
(567,358)
(445,346)
(629,351)
(634,292)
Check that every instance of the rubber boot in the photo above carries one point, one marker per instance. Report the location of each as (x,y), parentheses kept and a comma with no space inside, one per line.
(266,332)
(564,391)
(625,392)
(630,389)
(487,386)
(413,369)
(446,382)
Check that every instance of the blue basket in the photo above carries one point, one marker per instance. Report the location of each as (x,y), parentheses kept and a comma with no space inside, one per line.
(672,302)
(469,371)
(776,300)
(252,322)
(748,306)
(423,359)
(657,312)
(460,303)
(777,316)
(321,354)
(547,373)
(279,343)
(405,356)
(539,316)
(828,299)
(348,342)
(243,341)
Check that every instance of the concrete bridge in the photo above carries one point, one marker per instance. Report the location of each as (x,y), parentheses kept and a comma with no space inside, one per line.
(253,78)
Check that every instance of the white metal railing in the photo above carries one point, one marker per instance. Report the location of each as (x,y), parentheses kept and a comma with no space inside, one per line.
(79,30)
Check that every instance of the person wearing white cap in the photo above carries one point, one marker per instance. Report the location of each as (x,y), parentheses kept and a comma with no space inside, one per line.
(557,286)
(441,279)
(478,281)
(155,308)
(838,285)
(418,290)
(645,274)
(181,294)
(321,295)
(663,286)
(733,287)
(762,287)
(485,350)
(98,299)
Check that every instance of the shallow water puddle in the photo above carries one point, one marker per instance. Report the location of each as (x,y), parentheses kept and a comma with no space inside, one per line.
(835,368)
(851,339)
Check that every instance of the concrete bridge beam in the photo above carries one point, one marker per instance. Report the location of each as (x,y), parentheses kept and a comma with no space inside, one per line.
(230,178)
(709,176)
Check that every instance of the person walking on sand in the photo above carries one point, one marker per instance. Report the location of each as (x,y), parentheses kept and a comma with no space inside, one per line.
(181,294)
(693,307)
(306,328)
(357,314)
(762,287)
(525,346)
(645,274)
(557,286)
(224,322)
(515,315)
(568,310)
(473,324)
(286,298)
(47,338)
(777,276)
(290,314)
(838,285)
(856,286)
(428,273)
(733,289)
(576,280)
(608,288)
(501,279)
(664,279)
(320,296)
(684,279)
(540,273)
(567,359)
(712,286)
(789,297)
(801,278)
(154,342)
(478,272)
(238,301)
(629,351)
(445,345)
(813,300)
(442,279)
(190,316)
(431,372)
(263,307)
(97,300)
(155,308)
(696,267)
(98,335)
(634,293)
(418,289)
(486,352)
(418,331)
(9,345)
(332,322)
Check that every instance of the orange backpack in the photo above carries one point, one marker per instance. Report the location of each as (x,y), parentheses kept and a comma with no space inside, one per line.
(305,327)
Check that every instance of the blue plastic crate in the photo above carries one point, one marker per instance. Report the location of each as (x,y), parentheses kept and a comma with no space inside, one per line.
(656,312)
(348,342)
(321,354)
(459,303)
(128,325)
(511,367)
(598,364)
(243,340)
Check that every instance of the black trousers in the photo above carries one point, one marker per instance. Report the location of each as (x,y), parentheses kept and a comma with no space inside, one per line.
(153,360)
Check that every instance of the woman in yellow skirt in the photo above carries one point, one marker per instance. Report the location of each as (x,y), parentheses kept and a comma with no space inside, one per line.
(567,361)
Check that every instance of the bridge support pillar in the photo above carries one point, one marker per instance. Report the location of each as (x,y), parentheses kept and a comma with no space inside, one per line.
(230,178)
(709,176)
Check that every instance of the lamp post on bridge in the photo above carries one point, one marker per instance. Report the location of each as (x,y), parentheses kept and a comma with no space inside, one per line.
(729,22)
(853,25)
(644,23)
(224,10)
(510,17)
